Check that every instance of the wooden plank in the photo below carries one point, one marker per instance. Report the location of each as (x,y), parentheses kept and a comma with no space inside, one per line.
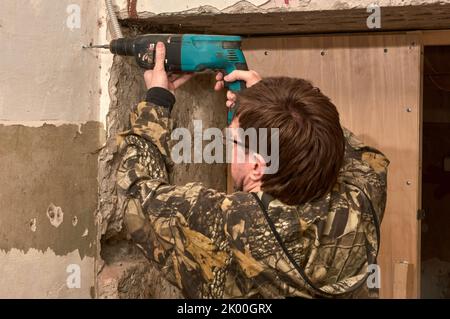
(433,37)
(254,21)
(375,82)
(401,274)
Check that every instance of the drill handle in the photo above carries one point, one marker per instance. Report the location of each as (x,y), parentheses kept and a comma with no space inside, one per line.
(235,86)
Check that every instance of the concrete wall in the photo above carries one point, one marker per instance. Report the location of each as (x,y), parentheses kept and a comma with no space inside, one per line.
(44,75)
(51,135)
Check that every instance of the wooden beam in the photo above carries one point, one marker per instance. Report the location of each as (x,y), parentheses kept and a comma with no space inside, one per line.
(433,37)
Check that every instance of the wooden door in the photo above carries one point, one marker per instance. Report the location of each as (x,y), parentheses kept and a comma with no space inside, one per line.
(375,82)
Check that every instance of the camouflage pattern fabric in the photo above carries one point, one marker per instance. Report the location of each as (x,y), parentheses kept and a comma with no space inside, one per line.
(216,245)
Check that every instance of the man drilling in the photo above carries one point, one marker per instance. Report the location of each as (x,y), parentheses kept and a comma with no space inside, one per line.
(309,230)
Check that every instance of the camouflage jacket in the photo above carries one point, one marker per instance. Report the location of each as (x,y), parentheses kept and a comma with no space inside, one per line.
(216,245)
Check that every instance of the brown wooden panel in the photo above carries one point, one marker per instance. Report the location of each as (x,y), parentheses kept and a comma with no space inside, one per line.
(401,274)
(375,82)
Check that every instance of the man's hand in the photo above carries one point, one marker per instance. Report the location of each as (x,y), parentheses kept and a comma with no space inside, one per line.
(250,77)
(158,76)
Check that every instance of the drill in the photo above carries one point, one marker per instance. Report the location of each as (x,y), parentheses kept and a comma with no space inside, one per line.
(187,53)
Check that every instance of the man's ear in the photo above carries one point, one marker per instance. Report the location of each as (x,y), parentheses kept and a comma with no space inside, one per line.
(258,167)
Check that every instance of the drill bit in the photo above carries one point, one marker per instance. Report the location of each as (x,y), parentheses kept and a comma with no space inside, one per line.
(101,46)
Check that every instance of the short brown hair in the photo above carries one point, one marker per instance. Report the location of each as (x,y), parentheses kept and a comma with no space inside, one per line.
(311,140)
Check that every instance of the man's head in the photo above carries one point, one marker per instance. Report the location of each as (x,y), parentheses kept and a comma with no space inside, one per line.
(311,141)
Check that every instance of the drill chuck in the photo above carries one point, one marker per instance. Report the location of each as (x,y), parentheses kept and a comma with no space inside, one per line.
(122,46)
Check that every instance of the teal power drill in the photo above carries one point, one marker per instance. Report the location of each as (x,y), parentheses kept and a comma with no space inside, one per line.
(187,53)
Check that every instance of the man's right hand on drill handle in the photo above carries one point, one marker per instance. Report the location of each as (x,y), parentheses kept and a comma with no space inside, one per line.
(250,77)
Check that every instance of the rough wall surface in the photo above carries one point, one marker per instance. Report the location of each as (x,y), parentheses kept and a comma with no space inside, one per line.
(51,192)
(120,264)
(51,136)
(125,273)
(197,101)
(47,210)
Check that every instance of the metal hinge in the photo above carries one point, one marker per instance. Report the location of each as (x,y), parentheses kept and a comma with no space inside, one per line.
(421,214)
